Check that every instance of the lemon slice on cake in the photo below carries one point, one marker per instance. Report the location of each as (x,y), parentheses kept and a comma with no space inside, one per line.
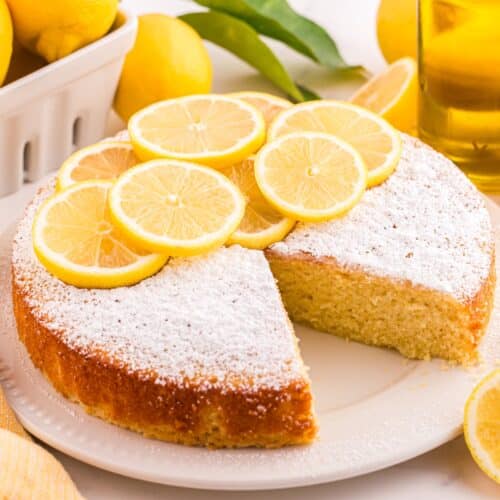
(376,140)
(213,130)
(482,425)
(104,160)
(393,94)
(269,105)
(176,207)
(74,238)
(262,224)
(310,176)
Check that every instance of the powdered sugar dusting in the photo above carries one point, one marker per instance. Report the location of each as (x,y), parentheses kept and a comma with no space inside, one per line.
(214,319)
(427,224)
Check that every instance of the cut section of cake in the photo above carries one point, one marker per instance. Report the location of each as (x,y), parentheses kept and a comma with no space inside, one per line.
(202,353)
(411,267)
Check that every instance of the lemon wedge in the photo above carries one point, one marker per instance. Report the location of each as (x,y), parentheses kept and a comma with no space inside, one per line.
(104,160)
(74,238)
(213,130)
(393,95)
(378,143)
(269,105)
(262,224)
(176,207)
(310,176)
(482,424)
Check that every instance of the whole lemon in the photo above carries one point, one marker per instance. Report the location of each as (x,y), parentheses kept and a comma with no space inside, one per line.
(56,28)
(5,39)
(167,60)
(397,29)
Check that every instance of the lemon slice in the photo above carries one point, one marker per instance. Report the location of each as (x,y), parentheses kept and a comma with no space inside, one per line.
(176,207)
(378,142)
(393,94)
(310,176)
(262,224)
(104,160)
(482,424)
(74,238)
(269,105)
(214,130)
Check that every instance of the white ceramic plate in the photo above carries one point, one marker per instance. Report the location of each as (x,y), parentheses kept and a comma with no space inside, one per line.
(375,409)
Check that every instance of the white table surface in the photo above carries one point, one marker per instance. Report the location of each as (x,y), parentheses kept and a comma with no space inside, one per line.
(445,473)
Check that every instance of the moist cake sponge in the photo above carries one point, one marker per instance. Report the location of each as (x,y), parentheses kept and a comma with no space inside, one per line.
(410,267)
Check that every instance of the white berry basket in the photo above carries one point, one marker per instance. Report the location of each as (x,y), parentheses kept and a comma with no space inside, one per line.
(63,106)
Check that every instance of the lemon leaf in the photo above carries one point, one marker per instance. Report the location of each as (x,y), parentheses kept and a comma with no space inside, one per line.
(309,95)
(243,41)
(276,19)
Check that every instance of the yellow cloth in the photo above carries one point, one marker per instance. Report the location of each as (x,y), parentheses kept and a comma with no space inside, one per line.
(27,471)
(8,420)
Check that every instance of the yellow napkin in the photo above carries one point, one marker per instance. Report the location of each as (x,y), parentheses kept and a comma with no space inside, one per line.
(27,471)
(8,420)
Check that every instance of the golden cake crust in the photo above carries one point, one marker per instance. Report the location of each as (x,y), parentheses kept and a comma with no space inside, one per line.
(183,413)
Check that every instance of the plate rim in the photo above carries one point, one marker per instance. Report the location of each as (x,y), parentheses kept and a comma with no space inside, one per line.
(262,485)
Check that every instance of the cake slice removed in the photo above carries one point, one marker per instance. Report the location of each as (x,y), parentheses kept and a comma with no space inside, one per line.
(410,267)
(202,353)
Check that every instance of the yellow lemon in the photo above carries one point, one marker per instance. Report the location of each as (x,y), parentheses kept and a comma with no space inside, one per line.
(56,28)
(213,130)
(393,94)
(105,160)
(5,39)
(310,176)
(176,207)
(482,424)
(74,238)
(378,143)
(269,105)
(397,29)
(167,60)
(262,224)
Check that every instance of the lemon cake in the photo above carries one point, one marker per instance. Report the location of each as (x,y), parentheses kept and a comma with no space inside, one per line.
(411,267)
(202,353)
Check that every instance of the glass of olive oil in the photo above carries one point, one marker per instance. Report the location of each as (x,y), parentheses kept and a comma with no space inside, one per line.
(459,68)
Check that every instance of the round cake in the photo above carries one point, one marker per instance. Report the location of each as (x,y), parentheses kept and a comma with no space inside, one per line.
(204,353)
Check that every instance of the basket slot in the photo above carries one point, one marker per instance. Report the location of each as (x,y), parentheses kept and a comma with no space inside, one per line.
(77,132)
(26,158)
(11,148)
(46,136)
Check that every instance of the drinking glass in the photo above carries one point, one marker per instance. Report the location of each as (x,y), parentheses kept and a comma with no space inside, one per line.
(459,71)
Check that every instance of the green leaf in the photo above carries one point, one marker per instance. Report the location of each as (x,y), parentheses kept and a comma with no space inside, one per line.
(243,41)
(276,19)
(309,95)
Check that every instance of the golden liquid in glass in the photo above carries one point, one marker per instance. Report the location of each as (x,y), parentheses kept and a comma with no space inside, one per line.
(459,65)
